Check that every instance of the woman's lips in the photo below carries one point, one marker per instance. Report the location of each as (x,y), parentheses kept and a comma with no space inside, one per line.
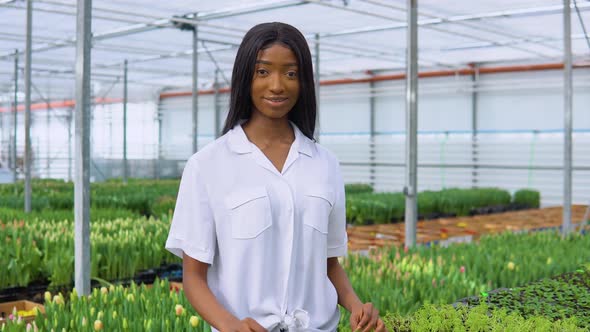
(275,102)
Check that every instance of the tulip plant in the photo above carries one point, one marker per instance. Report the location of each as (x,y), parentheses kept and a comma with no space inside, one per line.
(401,280)
(44,250)
(116,308)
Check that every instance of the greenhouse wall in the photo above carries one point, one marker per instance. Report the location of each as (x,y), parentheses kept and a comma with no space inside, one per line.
(519,142)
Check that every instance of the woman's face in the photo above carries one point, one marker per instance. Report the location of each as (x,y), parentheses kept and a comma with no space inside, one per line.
(275,86)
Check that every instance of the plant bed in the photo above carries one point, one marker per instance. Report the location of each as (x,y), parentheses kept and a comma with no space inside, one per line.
(361,237)
(43,250)
(445,318)
(379,208)
(35,292)
(560,297)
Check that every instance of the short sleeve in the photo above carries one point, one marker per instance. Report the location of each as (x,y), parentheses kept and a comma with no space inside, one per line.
(337,237)
(192,230)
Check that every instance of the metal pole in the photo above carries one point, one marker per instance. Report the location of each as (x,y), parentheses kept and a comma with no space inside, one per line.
(195,87)
(410,190)
(125,122)
(48,144)
(82,177)
(474,128)
(15,124)
(28,106)
(159,147)
(216,103)
(70,144)
(372,135)
(317,87)
(568,98)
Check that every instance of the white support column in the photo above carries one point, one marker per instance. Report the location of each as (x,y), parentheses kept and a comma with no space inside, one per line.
(411,189)
(474,128)
(372,124)
(568,97)
(125,170)
(28,154)
(15,122)
(82,150)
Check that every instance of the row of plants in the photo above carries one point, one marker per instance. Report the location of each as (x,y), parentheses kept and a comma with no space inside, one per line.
(159,307)
(446,318)
(565,295)
(96,214)
(379,208)
(143,197)
(164,307)
(43,250)
(158,198)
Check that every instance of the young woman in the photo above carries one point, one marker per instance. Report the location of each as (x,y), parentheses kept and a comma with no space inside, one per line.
(260,216)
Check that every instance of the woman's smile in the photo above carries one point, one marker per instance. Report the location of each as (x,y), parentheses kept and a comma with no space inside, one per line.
(276,101)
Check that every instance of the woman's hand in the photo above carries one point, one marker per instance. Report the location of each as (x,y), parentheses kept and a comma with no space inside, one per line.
(244,325)
(365,318)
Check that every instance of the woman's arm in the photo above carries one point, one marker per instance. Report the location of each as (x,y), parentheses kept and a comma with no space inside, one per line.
(346,295)
(197,291)
(363,317)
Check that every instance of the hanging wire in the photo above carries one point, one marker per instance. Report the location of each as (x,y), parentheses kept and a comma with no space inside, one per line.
(215,63)
(582,23)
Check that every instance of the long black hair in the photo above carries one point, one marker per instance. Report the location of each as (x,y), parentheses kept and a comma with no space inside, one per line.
(258,38)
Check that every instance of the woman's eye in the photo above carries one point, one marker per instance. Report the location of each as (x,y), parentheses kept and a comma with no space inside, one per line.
(262,72)
(292,74)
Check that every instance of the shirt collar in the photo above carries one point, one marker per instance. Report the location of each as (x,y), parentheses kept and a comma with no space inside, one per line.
(239,143)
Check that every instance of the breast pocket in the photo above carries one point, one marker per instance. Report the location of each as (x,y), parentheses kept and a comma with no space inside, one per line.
(318,202)
(249,212)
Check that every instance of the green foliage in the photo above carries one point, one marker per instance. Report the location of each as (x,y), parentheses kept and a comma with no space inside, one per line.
(358,188)
(43,250)
(375,208)
(528,198)
(135,309)
(164,205)
(138,195)
(367,208)
(444,318)
(96,214)
(560,297)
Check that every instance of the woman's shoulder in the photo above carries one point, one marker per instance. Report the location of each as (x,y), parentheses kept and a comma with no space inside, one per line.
(213,152)
(325,153)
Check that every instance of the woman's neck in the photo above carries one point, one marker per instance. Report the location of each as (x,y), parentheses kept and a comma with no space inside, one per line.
(268,131)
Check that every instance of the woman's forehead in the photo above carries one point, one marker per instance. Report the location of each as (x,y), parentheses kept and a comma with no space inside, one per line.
(277,54)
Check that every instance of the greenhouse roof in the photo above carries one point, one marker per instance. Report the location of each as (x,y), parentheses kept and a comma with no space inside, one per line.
(355,37)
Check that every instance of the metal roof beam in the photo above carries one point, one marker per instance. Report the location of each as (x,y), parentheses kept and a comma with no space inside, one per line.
(156,24)
(454,19)
(470,25)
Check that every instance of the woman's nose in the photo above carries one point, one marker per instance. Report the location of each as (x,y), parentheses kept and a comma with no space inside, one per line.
(276,84)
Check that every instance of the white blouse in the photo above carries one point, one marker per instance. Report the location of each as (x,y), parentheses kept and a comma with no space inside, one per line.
(267,234)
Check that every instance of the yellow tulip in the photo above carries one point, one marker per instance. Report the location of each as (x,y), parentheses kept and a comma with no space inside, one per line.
(194,321)
(47,296)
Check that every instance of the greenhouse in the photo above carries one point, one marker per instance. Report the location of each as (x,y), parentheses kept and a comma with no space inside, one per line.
(459,131)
